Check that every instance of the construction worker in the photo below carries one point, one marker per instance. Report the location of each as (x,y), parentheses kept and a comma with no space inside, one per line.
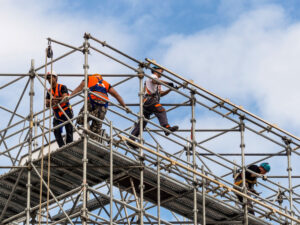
(97,106)
(251,179)
(59,93)
(153,92)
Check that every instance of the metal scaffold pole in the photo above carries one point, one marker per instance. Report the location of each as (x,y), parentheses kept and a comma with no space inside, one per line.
(245,200)
(111,171)
(141,118)
(158,187)
(85,127)
(193,124)
(203,199)
(30,143)
(289,169)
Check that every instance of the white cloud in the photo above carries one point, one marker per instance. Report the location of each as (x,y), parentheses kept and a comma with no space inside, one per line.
(253,61)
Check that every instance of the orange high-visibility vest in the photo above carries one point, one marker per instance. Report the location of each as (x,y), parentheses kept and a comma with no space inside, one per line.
(97,85)
(64,105)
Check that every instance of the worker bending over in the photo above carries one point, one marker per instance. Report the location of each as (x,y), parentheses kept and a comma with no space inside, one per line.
(251,179)
(153,92)
(59,93)
(97,106)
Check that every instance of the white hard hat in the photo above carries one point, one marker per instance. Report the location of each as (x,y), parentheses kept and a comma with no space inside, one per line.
(53,73)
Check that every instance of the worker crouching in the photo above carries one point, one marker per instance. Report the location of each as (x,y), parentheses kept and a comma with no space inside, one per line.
(251,180)
(59,93)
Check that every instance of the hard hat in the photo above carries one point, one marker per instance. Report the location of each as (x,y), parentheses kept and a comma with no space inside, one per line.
(53,73)
(266,166)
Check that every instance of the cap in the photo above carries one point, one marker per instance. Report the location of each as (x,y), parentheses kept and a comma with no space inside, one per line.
(266,166)
(156,67)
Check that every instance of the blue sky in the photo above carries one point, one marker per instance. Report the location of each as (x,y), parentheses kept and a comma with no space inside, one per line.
(246,51)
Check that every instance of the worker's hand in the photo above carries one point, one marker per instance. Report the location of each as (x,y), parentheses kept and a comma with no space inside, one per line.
(128,110)
(264,177)
(65,99)
(55,101)
(171,84)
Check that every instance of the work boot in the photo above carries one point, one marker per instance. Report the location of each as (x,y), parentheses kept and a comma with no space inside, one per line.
(172,129)
(131,145)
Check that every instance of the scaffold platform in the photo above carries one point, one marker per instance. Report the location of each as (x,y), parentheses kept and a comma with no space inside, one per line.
(66,172)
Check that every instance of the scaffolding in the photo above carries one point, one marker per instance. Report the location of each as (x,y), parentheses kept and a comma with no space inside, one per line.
(184,178)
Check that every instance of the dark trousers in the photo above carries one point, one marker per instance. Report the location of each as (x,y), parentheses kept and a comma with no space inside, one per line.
(240,198)
(58,131)
(152,106)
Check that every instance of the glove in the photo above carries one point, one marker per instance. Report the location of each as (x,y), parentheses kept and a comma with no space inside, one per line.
(264,177)
(128,110)
(171,84)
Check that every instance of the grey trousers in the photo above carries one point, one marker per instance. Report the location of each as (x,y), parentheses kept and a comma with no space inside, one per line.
(152,106)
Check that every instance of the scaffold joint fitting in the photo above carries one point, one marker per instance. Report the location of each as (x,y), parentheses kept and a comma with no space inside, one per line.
(142,158)
(85,160)
(87,36)
(86,66)
(193,120)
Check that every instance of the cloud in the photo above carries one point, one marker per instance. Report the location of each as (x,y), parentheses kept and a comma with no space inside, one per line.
(253,61)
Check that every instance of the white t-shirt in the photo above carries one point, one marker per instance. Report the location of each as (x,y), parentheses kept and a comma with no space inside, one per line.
(152,87)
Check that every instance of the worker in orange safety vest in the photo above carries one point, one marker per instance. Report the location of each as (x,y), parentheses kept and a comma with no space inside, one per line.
(59,93)
(97,106)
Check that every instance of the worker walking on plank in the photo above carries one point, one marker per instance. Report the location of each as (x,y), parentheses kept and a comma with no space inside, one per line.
(59,92)
(251,180)
(97,106)
(153,92)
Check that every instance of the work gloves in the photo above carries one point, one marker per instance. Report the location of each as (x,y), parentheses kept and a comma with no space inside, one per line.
(173,85)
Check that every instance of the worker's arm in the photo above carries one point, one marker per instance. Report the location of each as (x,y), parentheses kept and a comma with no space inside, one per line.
(54,100)
(116,95)
(78,89)
(163,93)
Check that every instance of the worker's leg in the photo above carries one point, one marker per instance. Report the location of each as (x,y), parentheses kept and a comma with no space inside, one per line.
(250,207)
(89,109)
(161,115)
(80,117)
(99,112)
(57,133)
(69,127)
(160,112)
(136,129)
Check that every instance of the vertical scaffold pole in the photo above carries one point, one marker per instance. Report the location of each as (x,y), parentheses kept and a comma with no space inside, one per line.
(111,173)
(245,204)
(141,93)
(289,169)
(30,141)
(85,126)
(158,187)
(193,123)
(203,199)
